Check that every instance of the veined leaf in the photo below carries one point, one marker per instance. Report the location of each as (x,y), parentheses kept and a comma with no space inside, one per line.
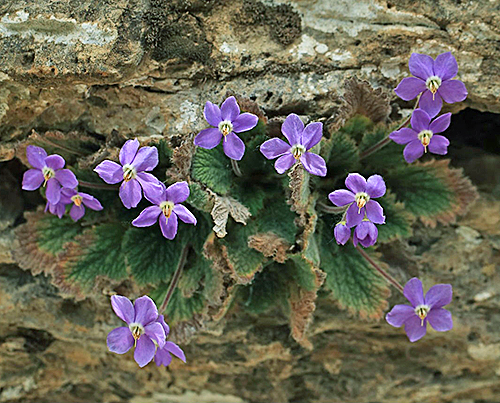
(213,169)
(398,221)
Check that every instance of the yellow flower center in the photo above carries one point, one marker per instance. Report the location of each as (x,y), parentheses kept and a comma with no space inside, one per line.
(48,173)
(77,199)
(129,172)
(421,311)
(297,151)
(137,331)
(433,83)
(425,137)
(225,127)
(167,207)
(361,200)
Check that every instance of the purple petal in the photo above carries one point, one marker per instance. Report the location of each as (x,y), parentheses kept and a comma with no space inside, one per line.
(355,240)
(175,350)
(421,66)
(414,328)
(440,319)
(354,218)
(404,135)
(57,209)
(445,66)
(55,162)
(212,114)
(208,138)
(156,197)
(341,197)
(414,292)
(120,340)
(355,183)
(77,212)
(146,159)
(413,151)
(123,308)
(409,88)
(67,194)
(453,91)
(36,156)
(128,151)
(375,186)
(420,120)
(244,122)
(161,321)
(375,212)
(229,109)
(178,192)
(91,202)
(144,351)
(152,187)
(366,233)
(233,146)
(53,192)
(184,214)
(439,144)
(342,233)
(314,164)
(312,134)
(32,179)
(284,163)
(292,129)
(145,311)
(169,227)
(163,357)
(431,104)
(148,217)
(441,123)
(439,295)
(399,315)
(155,332)
(274,148)
(67,178)
(130,193)
(110,172)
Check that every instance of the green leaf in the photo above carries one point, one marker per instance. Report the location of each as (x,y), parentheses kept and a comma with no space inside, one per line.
(179,307)
(389,156)
(398,221)
(199,198)
(341,154)
(213,169)
(52,232)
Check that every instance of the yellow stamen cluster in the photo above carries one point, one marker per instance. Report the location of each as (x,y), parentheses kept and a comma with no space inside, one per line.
(225,127)
(129,172)
(77,199)
(167,207)
(361,199)
(48,173)
(137,331)
(433,83)
(421,311)
(425,137)
(297,151)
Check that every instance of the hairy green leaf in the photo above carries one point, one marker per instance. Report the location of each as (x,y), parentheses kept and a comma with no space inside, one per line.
(213,169)
(398,221)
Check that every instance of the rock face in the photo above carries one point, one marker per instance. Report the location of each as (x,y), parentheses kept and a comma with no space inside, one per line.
(145,68)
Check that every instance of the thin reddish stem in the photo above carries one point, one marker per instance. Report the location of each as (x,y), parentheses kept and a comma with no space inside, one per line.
(175,279)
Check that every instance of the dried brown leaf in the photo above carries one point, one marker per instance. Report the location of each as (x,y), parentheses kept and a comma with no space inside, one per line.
(181,160)
(270,245)
(225,206)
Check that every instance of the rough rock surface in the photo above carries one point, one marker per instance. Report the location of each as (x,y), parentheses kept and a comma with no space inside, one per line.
(145,68)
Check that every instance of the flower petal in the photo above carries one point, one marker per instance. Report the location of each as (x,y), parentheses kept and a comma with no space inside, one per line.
(57,209)
(341,197)
(440,319)
(152,187)
(375,186)
(375,212)
(212,114)
(404,135)
(314,164)
(123,308)
(353,217)
(145,311)
(36,156)
(53,192)
(439,144)
(67,194)
(178,192)
(439,295)
(146,159)
(163,357)
(453,91)
(414,328)
(130,193)
(292,129)
(233,146)
(420,120)
(371,236)
(414,292)
(175,350)
(445,66)
(421,66)
(161,321)
(184,214)
(169,227)
(128,151)
(155,332)
(148,217)
(244,122)
(120,340)
(67,178)
(342,233)
(90,201)
(32,179)
(355,183)
(77,212)
(110,172)
(312,134)
(144,351)
(399,315)
(432,104)
(55,162)
(284,163)
(274,147)
(208,138)
(409,88)
(413,151)
(441,123)
(229,109)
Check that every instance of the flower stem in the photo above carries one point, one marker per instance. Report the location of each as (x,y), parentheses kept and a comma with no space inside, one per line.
(382,272)
(93,185)
(175,279)
(331,209)
(236,167)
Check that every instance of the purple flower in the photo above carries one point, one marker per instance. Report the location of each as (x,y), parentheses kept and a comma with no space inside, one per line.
(422,310)
(80,201)
(366,234)
(135,162)
(163,356)
(342,233)
(227,121)
(142,330)
(422,135)
(57,209)
(433,80)
(49,171)
(359,199)
(301,141)
(167,209)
